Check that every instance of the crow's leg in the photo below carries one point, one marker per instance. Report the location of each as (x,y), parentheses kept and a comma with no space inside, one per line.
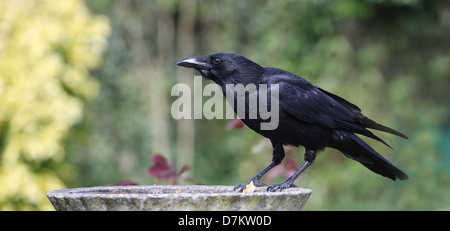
(278,155)
(310,156)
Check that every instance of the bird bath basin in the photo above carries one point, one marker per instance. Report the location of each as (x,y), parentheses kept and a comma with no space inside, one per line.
(176,198)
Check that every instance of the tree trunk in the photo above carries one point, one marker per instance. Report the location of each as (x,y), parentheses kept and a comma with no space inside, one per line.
(185,44)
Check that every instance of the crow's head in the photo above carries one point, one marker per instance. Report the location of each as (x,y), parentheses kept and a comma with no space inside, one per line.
(222,67)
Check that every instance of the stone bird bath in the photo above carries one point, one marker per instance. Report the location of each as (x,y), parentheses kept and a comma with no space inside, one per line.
(176,198)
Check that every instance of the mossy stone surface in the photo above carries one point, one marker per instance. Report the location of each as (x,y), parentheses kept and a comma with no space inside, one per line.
(176,198)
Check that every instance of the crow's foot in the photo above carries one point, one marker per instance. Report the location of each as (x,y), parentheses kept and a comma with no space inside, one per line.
(285,185)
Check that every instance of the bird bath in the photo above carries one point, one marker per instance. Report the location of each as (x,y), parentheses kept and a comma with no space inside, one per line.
(176,198)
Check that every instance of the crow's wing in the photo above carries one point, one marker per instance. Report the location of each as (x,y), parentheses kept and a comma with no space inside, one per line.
(364,120)
(309,104)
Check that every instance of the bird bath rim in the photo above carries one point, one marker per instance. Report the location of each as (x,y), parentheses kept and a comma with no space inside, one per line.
(174,197)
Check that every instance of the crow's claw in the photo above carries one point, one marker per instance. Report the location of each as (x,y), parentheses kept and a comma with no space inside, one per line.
(241,187)
(285,185)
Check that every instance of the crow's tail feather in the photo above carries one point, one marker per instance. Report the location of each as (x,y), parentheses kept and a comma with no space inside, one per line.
(355,148)
(374,125)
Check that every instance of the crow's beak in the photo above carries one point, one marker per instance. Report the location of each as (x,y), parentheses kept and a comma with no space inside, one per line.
(199,63)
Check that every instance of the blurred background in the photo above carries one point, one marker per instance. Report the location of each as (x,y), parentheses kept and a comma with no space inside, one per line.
(85,94)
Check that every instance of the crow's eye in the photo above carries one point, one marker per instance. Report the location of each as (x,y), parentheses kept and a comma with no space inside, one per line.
(216,61)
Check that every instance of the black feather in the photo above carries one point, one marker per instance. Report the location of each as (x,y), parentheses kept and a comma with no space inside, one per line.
(354,148)
(364,120)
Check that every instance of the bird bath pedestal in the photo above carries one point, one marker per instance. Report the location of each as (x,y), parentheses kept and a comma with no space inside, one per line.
(176,198)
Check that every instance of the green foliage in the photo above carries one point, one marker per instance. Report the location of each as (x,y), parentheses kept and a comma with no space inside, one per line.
(46,50)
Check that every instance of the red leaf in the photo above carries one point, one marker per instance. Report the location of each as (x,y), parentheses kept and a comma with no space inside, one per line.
(184,169)
(125,183)
(235,124)
(169,175)
(287,169)
(274,172)
(160,168)
(291,163)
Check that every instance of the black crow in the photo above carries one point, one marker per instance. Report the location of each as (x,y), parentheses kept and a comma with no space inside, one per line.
(308,116)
